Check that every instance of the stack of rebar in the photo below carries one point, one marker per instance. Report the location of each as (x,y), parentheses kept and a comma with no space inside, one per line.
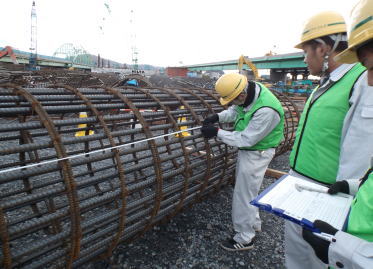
(84,169)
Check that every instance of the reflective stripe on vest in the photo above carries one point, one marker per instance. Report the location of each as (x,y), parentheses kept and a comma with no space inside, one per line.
(360,220)
(265,99)
(316,148)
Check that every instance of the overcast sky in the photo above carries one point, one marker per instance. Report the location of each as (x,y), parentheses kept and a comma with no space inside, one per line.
(165,32)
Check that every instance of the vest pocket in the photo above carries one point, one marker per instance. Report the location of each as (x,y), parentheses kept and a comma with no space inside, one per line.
(367,112)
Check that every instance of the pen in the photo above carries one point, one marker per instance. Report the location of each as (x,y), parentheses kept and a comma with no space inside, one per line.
(325,236)
(301,187)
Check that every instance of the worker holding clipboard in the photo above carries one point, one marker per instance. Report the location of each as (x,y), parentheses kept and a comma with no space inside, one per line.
(353,248)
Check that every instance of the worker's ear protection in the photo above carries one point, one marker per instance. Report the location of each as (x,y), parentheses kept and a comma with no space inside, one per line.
(250,91)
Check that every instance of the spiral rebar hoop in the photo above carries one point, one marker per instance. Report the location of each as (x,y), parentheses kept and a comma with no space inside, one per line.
(65,213)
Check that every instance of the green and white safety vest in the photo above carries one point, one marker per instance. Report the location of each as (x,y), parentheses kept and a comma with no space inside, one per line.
(265,99)
(360,220)
(316,149)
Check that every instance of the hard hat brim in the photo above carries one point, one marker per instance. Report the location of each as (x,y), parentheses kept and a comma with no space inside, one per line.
(224,102)
(299,46)
(227,100)
(348,56)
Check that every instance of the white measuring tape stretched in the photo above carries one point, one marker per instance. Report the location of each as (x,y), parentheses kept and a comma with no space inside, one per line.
(95,151)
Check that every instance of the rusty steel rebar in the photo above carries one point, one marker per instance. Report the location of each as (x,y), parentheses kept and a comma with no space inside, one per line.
(65,213)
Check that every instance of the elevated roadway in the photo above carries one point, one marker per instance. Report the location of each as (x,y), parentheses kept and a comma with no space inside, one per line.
(279,65)
(42,60)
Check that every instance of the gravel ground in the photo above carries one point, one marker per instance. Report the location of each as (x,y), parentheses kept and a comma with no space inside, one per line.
(191,239)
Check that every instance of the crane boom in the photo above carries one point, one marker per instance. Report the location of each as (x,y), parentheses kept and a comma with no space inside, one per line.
(244,60)
(9,51)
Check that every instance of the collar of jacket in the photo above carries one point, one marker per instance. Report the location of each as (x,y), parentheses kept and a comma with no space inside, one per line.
(252,95)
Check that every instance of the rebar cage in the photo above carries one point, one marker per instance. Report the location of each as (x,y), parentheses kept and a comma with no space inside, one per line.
(119,171)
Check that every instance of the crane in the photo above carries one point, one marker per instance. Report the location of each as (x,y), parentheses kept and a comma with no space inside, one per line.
(245,60)
(104,15)
(33,47)
(9,51)
(134,50)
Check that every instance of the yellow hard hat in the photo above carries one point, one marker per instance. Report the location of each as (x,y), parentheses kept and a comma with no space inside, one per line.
(322,24)
(229,86)
(360,31)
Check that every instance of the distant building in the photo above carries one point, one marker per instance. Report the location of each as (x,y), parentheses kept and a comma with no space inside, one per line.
(176,71)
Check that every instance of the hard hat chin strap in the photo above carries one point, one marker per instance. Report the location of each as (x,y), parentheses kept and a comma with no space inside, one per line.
(337,38)
(325,62)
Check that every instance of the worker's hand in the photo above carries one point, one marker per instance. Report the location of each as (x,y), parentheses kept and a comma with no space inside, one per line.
(324,227)
(320,246)
(209,131)
(211,119)
(339,186)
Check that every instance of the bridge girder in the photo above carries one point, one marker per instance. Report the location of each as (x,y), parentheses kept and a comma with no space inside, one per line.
(282,61)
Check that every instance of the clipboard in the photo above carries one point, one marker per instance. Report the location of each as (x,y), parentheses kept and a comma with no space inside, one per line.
(284,200)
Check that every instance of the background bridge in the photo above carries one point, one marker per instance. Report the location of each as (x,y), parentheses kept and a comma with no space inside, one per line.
(279,65)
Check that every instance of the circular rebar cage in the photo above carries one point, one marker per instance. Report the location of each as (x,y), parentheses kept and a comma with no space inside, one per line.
(119,170)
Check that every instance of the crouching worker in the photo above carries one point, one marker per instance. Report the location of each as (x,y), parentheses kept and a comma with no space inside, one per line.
(258,129)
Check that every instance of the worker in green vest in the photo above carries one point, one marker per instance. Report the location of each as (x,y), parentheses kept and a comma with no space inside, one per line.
(258,119)
(333,126)
(354,248)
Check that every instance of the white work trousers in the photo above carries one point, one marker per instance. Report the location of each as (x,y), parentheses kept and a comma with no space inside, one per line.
(250,169)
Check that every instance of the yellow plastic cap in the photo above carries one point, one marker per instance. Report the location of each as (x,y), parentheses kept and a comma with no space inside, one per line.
(360,31)
(229,86)
(322,24)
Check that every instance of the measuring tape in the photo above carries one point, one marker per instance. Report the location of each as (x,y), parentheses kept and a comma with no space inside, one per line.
(95,151)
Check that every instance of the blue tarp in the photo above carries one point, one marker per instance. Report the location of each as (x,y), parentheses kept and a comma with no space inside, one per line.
(132,82)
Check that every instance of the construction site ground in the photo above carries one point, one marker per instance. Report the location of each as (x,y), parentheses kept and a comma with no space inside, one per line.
(191,239)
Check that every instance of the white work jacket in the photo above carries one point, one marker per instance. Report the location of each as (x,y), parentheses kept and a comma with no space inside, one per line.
(357,132)
(261,124)
(350,252)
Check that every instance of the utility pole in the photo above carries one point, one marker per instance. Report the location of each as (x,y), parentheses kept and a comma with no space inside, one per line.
(33,47)
(133,42)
